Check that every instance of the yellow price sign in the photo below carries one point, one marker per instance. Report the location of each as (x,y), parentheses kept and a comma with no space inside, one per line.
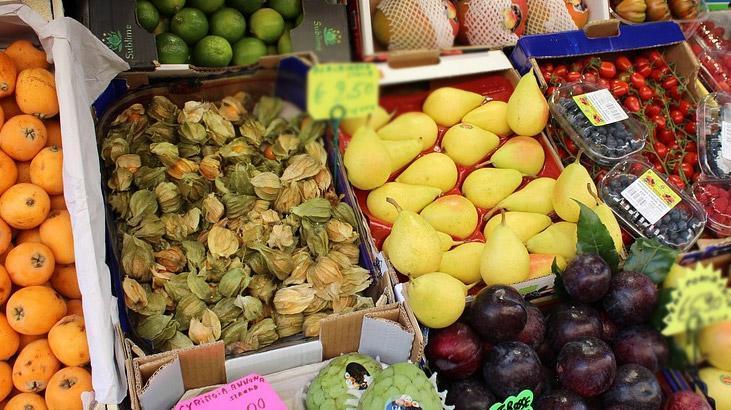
(342,90)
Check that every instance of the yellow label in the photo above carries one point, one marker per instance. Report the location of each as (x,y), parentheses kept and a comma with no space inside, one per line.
(660,188)
(701,298)
(600,107)
(342,90)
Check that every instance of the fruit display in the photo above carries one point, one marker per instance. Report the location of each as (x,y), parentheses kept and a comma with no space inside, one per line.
(44,354)
(640,11)
(713,112)
(711,43)
(218,33)
(715,195)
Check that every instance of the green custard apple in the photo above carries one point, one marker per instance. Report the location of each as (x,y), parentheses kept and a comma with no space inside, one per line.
(337,385)
(402,386)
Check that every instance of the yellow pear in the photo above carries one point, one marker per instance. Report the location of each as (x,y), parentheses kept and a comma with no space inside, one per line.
(572,185)
(379,118)
(467,144)
(486,187)
(366,159)
(609,220)
(446,241)
(525,224)
(524,154)
(463,262)
(452,214)
(411,125)
(437,299)
(542,264)
(402,152)
(411,197)
(557,239)
(534,197)
(435,169)
(491,116)
(714,343)
(447,105)
(719,386)
(505,260)
(413,246)
(527,112)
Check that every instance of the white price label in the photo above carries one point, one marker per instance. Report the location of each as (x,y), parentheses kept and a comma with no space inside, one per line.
(726,140)
(651,196)
(600,107)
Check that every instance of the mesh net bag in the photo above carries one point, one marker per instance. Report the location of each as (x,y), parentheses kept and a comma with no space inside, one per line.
(415,24)
(490,23)
(548,16)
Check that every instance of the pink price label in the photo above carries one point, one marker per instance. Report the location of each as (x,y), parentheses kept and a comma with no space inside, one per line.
(248,393)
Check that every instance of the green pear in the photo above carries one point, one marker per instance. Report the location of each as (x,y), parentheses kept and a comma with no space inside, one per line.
(491,116)
(467,144)
(447,105)
(524,154)
(437,299)
(402,152)
(609,220)
(411,125)
(413,246)
(557,239)
(505,260)
(486,187)
(542,264)
(527,112)
(524,224)
(411,197)
(379,118)
(452,214)
(572,185)
(366,159)
(435,169)
(463,262)
(446,241)
(534,197)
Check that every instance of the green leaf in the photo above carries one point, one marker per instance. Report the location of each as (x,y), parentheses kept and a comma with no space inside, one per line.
(651,258)
(558,286)
(593,238)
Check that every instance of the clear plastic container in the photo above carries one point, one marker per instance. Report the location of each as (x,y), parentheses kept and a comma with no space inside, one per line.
(713,111)
(607,144)
(679,228)
(715,197)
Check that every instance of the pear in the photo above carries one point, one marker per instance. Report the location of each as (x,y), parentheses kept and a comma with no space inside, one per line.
(486,187)
(606,216)
(467,144)
(505,260)
(411,125)
(437,299)
(542,264)
(413,245)
(402,152)
(491,116)
(452,214)
(463,262)
(572,185)
(366,159)
(534,197)
(557,239)
(527,112)
(435,169)
(524,154)
(446,241)
(379,118)
(525,224)
(411,197)
(447,105)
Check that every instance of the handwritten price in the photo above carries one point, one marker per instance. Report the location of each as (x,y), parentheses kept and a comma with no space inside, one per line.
(342,90)
(523,401)
(259,404)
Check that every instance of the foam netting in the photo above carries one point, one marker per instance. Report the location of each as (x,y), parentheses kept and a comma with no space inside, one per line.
(486,23)
(548,16)
(417,24)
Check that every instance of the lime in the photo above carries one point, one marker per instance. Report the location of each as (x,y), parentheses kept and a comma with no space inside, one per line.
(246,6)
(284,45)
(190,24)
(206,6)
(287,8)
(162,26)
(171,49)
(169,7)
(147,15)
(266,25)
(212,51)
(229,24)
(248,51)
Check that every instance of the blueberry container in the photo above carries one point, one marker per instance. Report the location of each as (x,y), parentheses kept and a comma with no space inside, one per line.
(713,111)
(605,144)
(714,195)
(679,227)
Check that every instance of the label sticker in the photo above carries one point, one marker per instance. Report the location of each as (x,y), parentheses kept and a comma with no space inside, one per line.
(248,393)
(342,90)
(600,107)
(523,401)
(726,140)
(651,196)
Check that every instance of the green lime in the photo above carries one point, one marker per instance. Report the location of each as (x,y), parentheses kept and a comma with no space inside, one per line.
(284,45)
(147,15)
(266,25)
(229,24)
(206,6)
(190,24)
(298,20)
(169,7)
(171,49)
(248,51)
(271,50)
(163,26)
(246,6)
(287,8)
(212,51)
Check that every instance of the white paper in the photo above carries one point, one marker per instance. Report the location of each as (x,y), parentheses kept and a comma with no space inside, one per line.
(646,201)
(726,140)
(605,104)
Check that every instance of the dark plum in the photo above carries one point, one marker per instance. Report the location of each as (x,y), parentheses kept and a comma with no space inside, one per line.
(634,387)
(469,394)
(586,366)
(572,321)
(684,400)
(561,400)
(512,367)
(631,298)
(497,314)
(534,329)
(641,345)
(455,351)
(547,354)
(609,328)
(586,278)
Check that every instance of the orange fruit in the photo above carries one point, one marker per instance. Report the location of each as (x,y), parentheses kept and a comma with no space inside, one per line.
(35,92)
(25,340)
(56,233)
(6,236)
(23,171)
(24,206)
(10,107)
(6,380)
(34,310)
(25,55)
(58,202)
(8,75)
(65,282)
(30,264)
(10,339)
(26,401)
(53,129)
(22,137)
(28,235)
(74,307)
(2,117)
(46,170)
(34,367)
(65,388)
(67,339)
(6,285)
(8,172)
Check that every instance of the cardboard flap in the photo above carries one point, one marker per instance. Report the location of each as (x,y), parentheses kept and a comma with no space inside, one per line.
(164,387)
(385,339)
(602,28)
(203,366)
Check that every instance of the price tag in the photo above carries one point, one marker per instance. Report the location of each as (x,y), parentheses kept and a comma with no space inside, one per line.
(700,299)
(651,196)
(248,393)
(600,107)
(523,401)
(342,90)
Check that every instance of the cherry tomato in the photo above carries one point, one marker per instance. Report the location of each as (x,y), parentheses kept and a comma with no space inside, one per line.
(652,109)
(665,136)
(546,75)
(550,90)
(646,93)
(659,167)
(640,61)
(573,76)
(590,78)
(638,80)
(659,73)
(560,71)
(623,64)
(691,157)
(642,66)
(685,107)
(632,104)
(603,83)
(607,70)
(676,116)
(659,122)
(688,169)
(656,58)
(677,181)
(619,88)
(675,147)
(676,93)
(576,66)
(690,127)
(625,76)
(548,67)
(670,82)
(661,149)
(691,147)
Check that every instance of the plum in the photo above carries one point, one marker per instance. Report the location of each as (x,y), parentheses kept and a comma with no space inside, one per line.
(512,367)
(572,321)
(586,278)
(534,329)
(609,328)
(455,351)
(686,399)
(641,345)
(631,298)
(497,314)
(586,366)
(634,387)
(561,400)
(469,394)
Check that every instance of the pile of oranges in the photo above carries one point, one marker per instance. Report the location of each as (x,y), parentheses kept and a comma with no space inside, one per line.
(44,355)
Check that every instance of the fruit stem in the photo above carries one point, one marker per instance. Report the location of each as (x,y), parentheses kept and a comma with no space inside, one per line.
(369,117)
(395,204)
(492,212)
(483,164)
(578,156)
(593,193)
(502,216)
